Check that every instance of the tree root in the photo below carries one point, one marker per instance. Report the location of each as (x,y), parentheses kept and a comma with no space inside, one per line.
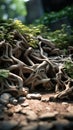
(33,68)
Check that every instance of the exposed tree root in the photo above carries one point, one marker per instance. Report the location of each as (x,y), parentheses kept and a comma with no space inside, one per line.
(33,67)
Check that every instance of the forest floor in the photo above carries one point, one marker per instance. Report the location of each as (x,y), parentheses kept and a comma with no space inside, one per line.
(37,113)
(32,68)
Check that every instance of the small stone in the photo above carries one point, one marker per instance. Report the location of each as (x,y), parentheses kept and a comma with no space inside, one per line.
(45,99)
(48,115)
(48,108)
(24,91)
(9,105)
(28,108)
(13,101)
(25,104)
(34,96)
(22,99)
(64,103)
(28,96)
(4,98)
(17,108)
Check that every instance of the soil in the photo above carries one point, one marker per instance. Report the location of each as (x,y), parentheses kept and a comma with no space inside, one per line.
(37,114)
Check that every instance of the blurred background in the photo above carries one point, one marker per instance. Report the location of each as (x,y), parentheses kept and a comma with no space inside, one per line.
(52,19)
(30,10)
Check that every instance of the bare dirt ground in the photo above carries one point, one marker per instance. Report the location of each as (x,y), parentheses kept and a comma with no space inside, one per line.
(37,114)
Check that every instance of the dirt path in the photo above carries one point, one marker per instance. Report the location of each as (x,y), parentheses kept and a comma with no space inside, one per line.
(37,114)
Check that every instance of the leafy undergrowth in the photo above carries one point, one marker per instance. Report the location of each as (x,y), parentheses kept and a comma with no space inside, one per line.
(68,67)
(61,38)
(53,16)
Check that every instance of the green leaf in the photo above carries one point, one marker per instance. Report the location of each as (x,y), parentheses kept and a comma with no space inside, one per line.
(4,73)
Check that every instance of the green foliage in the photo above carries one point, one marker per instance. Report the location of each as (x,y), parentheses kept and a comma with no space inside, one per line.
(4,73)
(68,67)
(48,18)
(61,38)
(31,31)
(6,30)
(23,29)
(18,25)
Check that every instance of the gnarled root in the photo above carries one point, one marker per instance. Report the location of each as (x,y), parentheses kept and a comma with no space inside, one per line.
(33,68)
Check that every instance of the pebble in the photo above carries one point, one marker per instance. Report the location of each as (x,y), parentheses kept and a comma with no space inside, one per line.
(22,99)
(48,115)
(34,96)
(25,91)
(13,101)
(9,105)
(45,99)
(64,103)
(4,98)
(48,108)
(25,104)
(28,108)
(28,96)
